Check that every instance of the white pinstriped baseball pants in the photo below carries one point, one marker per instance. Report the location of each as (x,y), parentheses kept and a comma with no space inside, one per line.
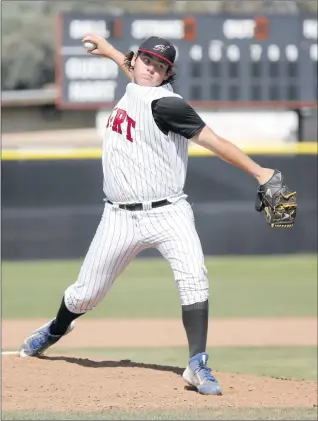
(122,234)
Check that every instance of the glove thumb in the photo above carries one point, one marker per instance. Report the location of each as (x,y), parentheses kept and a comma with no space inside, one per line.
(259,205)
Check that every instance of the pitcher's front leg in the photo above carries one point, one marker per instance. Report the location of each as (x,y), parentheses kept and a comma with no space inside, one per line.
(114,245)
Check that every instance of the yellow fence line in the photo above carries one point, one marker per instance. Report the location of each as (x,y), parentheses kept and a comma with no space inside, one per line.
(303,148)
(43,155)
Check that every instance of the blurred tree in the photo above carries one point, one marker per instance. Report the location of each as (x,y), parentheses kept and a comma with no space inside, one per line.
(27,48)
(28,40)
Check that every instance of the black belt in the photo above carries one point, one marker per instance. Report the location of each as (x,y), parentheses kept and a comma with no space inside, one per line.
(139,206)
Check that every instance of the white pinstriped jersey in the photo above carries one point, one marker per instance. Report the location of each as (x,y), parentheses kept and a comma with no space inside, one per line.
(140,162)
(143,163)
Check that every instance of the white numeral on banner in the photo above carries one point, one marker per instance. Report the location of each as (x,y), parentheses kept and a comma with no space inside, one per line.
(291,52)
(233,52)
(195,52)
(215,50)
(256,52)
(313,52)
(273,52)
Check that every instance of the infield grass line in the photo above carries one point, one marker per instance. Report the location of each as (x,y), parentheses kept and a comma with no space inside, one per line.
(216,413)
(298,363)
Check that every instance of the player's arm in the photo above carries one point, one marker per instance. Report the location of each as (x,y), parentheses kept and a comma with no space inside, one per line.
(175,115)
(105,49)
(231,154)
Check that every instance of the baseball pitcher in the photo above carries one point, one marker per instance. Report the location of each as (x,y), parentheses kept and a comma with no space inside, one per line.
(144,160)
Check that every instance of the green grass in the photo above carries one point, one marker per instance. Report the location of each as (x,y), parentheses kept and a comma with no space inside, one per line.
(239,287)
(282,362)
(198,414)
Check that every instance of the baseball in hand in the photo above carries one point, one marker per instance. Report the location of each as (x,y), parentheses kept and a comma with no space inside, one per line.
(90,46)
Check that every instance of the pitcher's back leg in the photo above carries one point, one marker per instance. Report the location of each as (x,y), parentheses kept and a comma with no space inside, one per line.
(179,243)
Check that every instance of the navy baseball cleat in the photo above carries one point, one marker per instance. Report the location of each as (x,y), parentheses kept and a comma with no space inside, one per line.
(41,339)
(199,375)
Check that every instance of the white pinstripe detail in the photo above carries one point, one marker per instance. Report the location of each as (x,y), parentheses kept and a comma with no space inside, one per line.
(122,235)
(115,244)
(151,168)
(180,245)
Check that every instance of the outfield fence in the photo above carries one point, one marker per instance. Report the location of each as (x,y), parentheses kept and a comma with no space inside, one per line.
(51,206)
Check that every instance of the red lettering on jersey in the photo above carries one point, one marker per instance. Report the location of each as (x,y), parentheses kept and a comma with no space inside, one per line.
(110,118)
(115,121)
(118,121)
(130,123)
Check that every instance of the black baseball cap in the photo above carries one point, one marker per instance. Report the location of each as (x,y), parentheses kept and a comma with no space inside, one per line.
(159,47)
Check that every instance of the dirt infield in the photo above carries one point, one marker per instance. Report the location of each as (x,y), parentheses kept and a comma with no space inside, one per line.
(170,332)
(70,383)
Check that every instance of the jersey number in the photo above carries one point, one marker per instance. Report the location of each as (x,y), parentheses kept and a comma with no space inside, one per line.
(117,121)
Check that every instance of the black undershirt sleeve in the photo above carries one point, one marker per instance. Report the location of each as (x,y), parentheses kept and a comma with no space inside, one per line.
(173,114)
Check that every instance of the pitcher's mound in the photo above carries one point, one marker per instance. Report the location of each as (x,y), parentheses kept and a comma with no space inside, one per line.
(62,383)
